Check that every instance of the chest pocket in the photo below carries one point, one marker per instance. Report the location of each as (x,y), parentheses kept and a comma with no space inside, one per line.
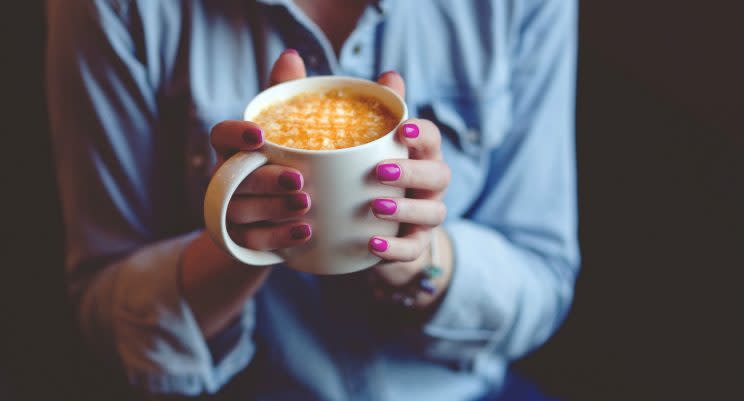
(474,125)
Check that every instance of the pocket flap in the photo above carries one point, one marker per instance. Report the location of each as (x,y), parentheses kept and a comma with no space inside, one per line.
(473,125)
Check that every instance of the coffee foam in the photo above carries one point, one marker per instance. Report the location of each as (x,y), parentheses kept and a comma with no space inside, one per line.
(335,119)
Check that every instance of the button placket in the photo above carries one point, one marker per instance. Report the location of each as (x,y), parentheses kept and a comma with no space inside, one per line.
(354,58)
(355,55)
(472,136)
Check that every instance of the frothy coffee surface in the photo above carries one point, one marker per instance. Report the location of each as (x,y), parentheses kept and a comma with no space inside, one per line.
(329,120)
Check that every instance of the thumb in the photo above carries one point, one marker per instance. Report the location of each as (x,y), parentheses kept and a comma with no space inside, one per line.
(394,81)
(287,67)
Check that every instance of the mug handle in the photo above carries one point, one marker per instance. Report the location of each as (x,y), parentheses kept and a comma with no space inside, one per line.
(221,188)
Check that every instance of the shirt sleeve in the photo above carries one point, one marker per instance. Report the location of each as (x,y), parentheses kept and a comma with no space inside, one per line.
(516,251)
(119,186)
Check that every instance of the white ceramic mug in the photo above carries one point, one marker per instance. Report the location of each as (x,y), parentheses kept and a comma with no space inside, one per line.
(341,184)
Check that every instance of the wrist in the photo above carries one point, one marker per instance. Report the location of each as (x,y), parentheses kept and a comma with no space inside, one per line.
(441,258)
(205,252)
(215,285)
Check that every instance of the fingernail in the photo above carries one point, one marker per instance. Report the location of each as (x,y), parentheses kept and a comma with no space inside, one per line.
(410,130)
(253,136)
(384,206)
(297,201)
(291,51)
(388,172)
(389,72)
(378,244)
(290,180)
(301,232)
(427,286)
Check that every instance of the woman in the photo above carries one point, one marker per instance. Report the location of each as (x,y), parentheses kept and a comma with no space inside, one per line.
(134,88)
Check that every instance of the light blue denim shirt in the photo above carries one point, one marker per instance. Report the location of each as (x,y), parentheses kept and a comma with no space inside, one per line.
(136,85)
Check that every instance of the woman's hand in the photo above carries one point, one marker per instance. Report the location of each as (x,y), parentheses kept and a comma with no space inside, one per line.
(402,277)
(265,213)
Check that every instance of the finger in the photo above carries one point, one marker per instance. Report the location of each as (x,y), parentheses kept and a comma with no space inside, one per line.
(230,136)
(400,249)
(270,237)
(414,211)
(271,179)
(397,274)
(394,81)
(422,137)
(287,67)
(250,209)
(430,175)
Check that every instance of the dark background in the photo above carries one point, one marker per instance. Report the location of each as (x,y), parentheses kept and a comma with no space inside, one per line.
(660,146)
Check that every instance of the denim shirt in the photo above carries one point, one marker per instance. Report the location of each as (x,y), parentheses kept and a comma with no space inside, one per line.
(136,85)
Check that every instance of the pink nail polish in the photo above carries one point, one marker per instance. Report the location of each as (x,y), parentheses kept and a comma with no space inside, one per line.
(300,232)
(291,51)
(378,244)
(297,201)
(410,130)
(384,206)
(388,172)
(290,180)
(253,136)
(389,72)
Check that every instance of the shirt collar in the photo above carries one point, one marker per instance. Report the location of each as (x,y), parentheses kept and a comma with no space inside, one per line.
(382,6)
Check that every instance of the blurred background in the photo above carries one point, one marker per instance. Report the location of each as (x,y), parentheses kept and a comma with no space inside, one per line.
(660,145)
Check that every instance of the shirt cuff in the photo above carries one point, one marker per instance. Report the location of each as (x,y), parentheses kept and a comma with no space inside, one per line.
(475,307)
(156,334)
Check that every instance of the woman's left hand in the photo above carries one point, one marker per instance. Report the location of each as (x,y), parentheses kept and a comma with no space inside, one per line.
(404,276)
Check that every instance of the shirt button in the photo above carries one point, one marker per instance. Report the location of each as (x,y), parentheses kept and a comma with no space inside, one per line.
(472,136)
(197,161)
(356,49)
(312,60)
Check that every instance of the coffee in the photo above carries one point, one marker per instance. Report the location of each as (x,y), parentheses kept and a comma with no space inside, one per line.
(335,119)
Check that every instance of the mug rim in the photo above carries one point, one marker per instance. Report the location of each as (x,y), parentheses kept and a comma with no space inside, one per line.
(354,80)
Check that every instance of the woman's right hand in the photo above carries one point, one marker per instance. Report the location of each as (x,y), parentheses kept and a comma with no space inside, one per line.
(265,213)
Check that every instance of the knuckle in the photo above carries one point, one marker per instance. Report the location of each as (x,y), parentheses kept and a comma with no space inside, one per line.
(440,212)
(232,215)
(235,235)
(443,175)
(410,256)
(411,269)
(395,273)
(447,173)
(276,238)
(433,129)
(261,180)
(413,252)
(252,239)
(235,210)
